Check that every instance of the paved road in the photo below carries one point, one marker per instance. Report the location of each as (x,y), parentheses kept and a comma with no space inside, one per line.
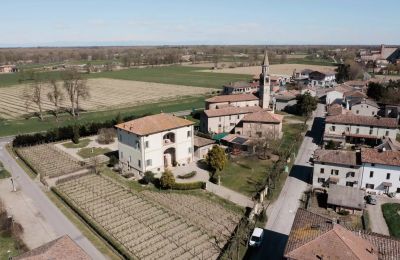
(282,212)
(52,215)
(377,222)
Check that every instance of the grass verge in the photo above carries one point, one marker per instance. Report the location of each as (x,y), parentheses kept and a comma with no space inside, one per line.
(3,172)
(391,214)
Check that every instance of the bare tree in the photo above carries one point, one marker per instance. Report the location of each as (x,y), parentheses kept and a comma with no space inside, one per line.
(76,88)
(33,93)
(82,91)
(55,96)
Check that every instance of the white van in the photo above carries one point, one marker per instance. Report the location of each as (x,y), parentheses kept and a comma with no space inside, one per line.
(256,237)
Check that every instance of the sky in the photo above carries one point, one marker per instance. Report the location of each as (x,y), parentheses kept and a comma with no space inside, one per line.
(180,22)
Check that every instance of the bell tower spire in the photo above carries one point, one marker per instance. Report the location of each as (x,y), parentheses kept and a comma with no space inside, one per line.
(265,88)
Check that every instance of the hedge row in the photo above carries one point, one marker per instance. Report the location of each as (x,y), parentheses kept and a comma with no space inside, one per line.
(99,230)
(189,185)
(187,175)
(66,132)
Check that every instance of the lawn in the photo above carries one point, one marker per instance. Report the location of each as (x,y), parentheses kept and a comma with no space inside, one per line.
(91,152)
(391,214)
(179,75)
(7,243)
(244,174)
(82,143)
(21,126)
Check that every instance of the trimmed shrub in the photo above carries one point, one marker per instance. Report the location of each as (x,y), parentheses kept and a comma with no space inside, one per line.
(167,180)
(113,161)
(189,186)
(147,178)
(187,175)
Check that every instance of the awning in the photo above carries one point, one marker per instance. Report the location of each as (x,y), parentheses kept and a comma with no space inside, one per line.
(387,184)
(218,137)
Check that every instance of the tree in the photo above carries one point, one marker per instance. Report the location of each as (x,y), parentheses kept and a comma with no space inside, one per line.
(330,145)
(106,136)
(55,96)
(75,136)
(119,119)
(376,91)
(216,159)
(82,91)
(113,160)
(167,180)
(306,104)
(95,164)
(342,73)
(34,94)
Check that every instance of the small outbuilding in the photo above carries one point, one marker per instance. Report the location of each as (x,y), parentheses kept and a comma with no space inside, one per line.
(344,197)
(202,146)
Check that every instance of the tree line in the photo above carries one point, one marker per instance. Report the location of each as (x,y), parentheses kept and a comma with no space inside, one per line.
(73,88)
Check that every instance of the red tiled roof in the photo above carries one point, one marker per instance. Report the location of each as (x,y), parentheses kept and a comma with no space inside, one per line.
(232,98)
(362,120)
(263,116)
(154,124)
(231,111)
(369,155)
(336,157)
(355,93)
(60,248)
(308,236)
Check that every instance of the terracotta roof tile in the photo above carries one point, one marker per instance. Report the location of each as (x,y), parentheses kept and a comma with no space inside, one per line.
(362,120)
(60,248)
(369,155)
(313,235)
(232,98)
(263,116)
(355,93)
(154,124)
(201,141)
(231,111)
(337,157)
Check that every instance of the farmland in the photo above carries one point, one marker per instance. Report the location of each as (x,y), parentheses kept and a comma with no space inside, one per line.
(275,69)
(174,75)
(152,225)
(49,161)
(105,94)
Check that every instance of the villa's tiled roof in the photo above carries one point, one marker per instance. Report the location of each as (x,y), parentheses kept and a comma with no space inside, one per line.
(61,248)
(337,157)
(263,116)
(154,124)
(201,141)
(231,111)
(369,155)
(362,120)
(314,236)
(232,98)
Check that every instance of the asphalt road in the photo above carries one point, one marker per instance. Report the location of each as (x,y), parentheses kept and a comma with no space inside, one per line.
(282,212)
(52,215)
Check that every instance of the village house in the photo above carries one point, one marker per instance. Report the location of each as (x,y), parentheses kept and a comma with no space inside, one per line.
(239,100)
(322,79)
(380,171)
(155,142)
(383,55)
(202,146)
(358,129)
(245,115)
(313,236)
(336,167)
(336,109)
(8,68)
(241,87)
(364,107)
(336,94)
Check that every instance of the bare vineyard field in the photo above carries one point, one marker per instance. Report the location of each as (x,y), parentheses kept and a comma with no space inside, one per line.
(49,161)
(275,69)
(152,225)
(105,94)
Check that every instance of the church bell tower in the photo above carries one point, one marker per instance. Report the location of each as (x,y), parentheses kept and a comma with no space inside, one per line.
(265,85)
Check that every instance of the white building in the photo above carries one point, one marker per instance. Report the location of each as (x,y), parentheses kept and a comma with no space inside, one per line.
(336,167)
(380,171)
(357,129)
(241,87)
(364,107)
(322,79)
(155,142)
(336,95)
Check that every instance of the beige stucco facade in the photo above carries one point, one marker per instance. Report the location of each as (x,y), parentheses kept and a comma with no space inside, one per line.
(255,129)
(360,130)
(363,109)
(155,152)
(220,124)
(344,175)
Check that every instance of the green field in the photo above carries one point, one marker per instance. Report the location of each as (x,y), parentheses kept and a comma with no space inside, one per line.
(7,243)
(22,126)
(3,172)
(391,214)
(244,174)
(92,152)
(179,75)
(82,143)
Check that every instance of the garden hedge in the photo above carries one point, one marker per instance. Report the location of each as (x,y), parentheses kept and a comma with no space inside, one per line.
(189,185)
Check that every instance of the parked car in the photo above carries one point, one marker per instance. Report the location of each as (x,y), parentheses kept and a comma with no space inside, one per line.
(370,199)
(256,237)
